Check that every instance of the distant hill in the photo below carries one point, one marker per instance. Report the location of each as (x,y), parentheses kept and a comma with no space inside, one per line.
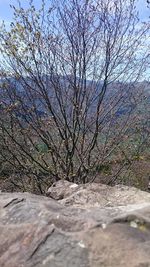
(26,96)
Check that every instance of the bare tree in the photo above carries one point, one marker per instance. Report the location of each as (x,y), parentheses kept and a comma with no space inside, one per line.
(69,71)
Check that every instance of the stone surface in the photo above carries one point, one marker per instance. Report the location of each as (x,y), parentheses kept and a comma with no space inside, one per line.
(89,225)
(93,194)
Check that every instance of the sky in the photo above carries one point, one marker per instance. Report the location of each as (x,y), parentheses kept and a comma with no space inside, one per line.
(6,12)
(7,15)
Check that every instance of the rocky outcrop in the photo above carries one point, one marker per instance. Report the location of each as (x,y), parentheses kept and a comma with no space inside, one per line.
(89,225)
(93,194)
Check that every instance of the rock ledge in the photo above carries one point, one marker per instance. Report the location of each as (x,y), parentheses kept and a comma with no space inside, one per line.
(90,225)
